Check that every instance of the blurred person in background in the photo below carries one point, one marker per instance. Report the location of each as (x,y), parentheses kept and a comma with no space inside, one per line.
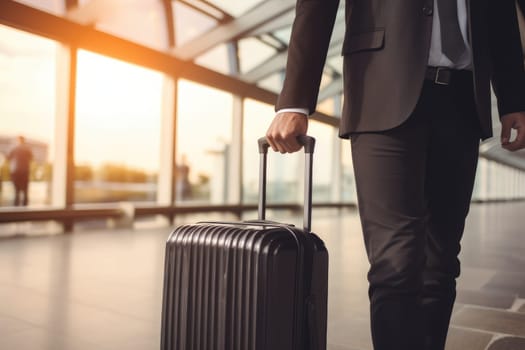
(183,185)
(20,158)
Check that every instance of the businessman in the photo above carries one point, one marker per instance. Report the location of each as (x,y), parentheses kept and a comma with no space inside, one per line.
(20,158)
(417,77)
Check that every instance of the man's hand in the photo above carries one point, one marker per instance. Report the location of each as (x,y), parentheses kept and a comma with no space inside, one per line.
(282,133)
(509,122)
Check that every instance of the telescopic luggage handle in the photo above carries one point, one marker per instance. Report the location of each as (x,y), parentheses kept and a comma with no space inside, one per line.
(308,144)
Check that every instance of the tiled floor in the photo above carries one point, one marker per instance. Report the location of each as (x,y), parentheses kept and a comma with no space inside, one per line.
(102,289)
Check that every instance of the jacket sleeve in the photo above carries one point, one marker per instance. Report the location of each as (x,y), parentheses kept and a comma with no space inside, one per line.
(508,73)
(311,31)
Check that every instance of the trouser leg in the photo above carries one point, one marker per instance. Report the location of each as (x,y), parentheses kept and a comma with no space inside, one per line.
(389,170)
(451,168)
(411,227)
(25,190)
(16,185)
(21,184)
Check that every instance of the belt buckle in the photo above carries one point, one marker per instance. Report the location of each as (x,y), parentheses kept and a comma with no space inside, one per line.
(446,77)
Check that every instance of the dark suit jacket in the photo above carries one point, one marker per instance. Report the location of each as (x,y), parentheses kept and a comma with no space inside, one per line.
(386,51)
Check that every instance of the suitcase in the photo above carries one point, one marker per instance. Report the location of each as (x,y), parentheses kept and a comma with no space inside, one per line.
(252,285)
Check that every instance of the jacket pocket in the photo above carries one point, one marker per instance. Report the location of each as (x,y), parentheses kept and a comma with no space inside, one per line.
(364,41)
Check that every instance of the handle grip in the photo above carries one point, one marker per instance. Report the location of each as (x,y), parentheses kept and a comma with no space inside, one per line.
(308,143)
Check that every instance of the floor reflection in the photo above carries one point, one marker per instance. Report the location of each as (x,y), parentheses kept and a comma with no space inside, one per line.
(102,289)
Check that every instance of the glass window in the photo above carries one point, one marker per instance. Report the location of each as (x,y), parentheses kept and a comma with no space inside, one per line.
(327,106)
(54,6)
(349,194)
(190,23)
(216,59)
(326,79)
(284,34)
(336,63)
(325,136)
(118,119)
(253,52)
(27,108)
(284,171)
(273,83)
(204,134)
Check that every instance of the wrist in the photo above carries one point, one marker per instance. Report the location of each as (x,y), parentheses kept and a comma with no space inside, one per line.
(302,111)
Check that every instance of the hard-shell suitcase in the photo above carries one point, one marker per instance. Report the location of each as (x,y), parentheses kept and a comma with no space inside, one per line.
(252,285)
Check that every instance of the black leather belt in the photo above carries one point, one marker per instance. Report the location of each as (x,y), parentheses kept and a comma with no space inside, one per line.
(445,76)
(439,75)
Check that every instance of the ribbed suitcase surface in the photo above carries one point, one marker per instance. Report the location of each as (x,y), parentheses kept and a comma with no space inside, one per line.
(255,285)
(241,288)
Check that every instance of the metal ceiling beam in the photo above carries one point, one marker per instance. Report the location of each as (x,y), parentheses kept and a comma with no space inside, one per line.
(26,18)
(286,21)
(274,64)
(277,62)
(208,9)
(71,4)
(92,11)
(262,14)
(281,22)
(170,22)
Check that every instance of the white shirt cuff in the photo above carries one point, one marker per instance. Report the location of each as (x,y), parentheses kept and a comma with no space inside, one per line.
(294,110)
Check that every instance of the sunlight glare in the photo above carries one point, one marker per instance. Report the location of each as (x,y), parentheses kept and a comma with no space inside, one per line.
(118,112)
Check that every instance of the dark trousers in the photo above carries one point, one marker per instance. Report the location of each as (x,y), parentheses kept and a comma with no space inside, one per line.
(21,183)
(414,185)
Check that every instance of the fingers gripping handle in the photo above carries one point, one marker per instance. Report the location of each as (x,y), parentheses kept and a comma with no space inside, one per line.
(309,146)
(307,142)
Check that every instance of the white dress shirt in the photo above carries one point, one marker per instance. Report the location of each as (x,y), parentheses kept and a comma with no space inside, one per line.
(436,56)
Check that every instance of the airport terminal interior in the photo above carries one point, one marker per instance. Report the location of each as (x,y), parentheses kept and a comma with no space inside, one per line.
(142,115)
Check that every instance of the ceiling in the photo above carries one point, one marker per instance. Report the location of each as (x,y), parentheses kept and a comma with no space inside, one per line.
(244,39)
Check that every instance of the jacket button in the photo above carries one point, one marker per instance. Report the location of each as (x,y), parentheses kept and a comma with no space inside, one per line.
(428,10)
